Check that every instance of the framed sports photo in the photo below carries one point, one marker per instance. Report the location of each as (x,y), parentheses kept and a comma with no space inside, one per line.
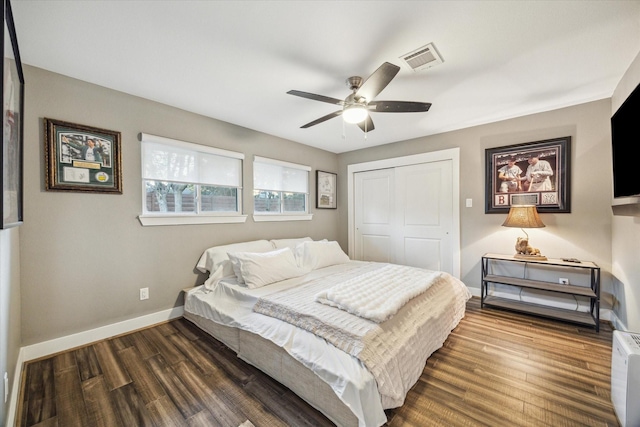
(534,173)
(82,158)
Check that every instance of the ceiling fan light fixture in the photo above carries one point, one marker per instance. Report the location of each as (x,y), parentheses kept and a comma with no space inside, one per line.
(357,105)
(355,113)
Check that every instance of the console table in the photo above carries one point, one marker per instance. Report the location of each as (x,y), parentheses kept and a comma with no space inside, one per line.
(592,291)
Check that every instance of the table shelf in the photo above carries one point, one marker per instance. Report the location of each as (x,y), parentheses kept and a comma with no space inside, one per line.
(590,290)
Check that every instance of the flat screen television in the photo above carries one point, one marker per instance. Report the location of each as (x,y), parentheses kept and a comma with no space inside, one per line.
(625,140)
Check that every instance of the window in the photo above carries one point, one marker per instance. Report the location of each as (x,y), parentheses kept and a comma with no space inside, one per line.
(280,190)
(189,183)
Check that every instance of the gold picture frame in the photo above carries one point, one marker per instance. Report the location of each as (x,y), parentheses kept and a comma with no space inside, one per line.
(82,158)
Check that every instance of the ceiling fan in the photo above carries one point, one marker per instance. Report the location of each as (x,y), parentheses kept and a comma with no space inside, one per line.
(356,106)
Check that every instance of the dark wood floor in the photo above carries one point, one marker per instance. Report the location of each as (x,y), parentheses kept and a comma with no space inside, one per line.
(496,369)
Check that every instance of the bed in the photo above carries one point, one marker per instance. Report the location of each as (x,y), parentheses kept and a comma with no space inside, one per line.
(281,304)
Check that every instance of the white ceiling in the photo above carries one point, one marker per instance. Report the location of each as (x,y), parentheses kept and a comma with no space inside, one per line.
(235,60)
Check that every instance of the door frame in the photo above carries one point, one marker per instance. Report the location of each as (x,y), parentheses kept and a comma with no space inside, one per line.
(452,154)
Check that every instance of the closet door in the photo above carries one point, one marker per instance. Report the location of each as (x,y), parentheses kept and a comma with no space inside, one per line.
(374,215)
(424,215)
(404,215)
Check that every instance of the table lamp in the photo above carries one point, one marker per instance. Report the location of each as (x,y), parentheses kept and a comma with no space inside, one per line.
(525,216)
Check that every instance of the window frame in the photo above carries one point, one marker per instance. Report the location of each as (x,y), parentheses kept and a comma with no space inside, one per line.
(282,215)
(149,218)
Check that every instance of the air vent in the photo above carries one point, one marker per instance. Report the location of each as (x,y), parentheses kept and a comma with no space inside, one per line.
(422,58)
(636,338)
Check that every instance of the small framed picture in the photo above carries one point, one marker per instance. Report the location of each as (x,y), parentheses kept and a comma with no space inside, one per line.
(326,190)
(82,158)
(534,173)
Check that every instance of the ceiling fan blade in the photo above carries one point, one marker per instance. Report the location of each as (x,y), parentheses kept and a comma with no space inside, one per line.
(366,125)
(377,81)
(399,106)
(315,97)
(322,119)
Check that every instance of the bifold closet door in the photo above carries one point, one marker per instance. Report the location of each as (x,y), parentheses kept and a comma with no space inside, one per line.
(404,215)
(374,215)
(424,216)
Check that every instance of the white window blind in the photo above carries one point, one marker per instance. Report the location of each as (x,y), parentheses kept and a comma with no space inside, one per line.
(276,175)
(186,183)
(166,159)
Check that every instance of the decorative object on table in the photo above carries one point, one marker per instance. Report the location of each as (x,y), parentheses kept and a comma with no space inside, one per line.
(525,216)
(11,155)
(326,190)
(82,158)
(534,173)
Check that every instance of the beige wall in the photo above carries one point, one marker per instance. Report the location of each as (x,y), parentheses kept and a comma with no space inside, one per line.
(85,256)
(585,233)
(625,233)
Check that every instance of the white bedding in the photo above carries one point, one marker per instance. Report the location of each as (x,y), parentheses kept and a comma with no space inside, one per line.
(394,351)
(397,285)
(231,304)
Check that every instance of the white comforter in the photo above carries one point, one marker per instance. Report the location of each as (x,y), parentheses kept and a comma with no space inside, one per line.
(394,351)
(394,286)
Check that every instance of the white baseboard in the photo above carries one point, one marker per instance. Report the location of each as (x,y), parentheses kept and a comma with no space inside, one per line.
(15,388)
(46,348)
(474,291)
(57,345)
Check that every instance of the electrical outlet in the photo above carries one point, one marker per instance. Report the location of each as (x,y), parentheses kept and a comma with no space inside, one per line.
(563,281)
(144,293)
(6,387)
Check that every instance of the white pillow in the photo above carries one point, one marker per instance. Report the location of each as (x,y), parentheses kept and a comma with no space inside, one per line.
(235,263)
(314,255)
(289,243)
(261,269)
(216,256)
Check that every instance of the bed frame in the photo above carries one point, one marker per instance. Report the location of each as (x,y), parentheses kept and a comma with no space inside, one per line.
(280,365)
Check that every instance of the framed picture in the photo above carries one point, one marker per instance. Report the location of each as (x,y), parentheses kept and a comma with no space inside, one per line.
(534,173)
(82,158)
(12,124)
(326,190)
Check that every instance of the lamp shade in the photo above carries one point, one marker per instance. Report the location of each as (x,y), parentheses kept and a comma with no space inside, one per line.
(355,113)
(523,216)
